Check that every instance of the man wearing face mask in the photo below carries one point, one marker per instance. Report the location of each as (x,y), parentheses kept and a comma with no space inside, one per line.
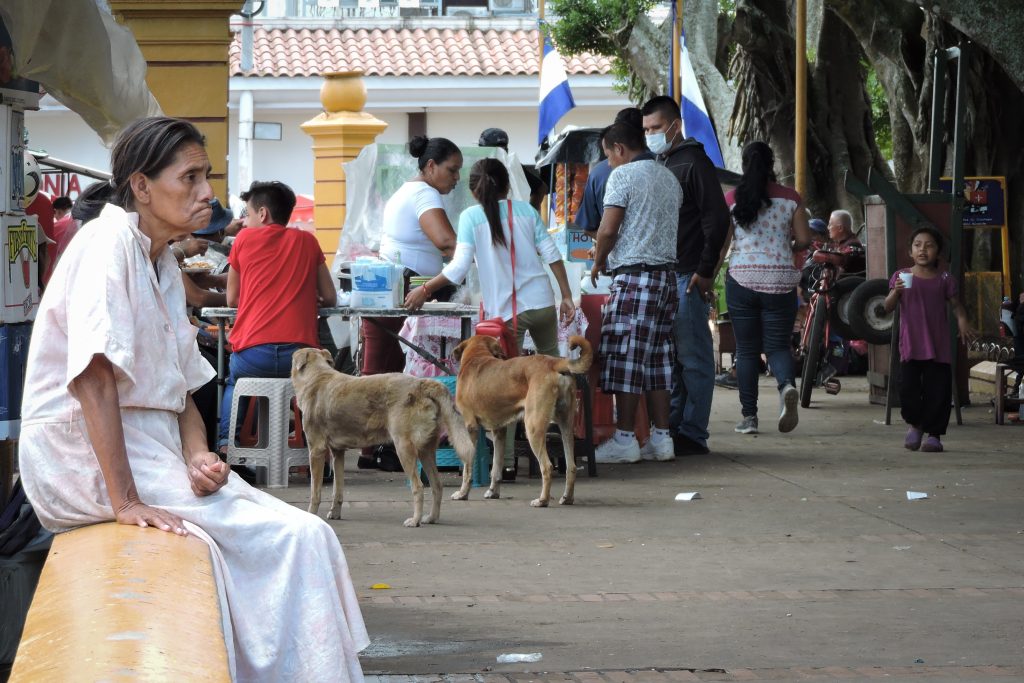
(703,228)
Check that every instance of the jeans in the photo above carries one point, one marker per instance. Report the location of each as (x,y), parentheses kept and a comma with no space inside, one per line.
(761,323)
(693,374)
(265,360)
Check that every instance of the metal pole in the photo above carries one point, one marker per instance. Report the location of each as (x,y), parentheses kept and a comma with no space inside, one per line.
(540,37)
(677,34)
(938,122)
(800,143)
(956,222)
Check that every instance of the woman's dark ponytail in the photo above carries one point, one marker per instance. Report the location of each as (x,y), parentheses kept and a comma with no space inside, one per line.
(488,181)
(752,192)
(91,201)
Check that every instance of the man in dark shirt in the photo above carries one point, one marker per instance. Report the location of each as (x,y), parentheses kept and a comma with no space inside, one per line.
(703,228)
(588,217)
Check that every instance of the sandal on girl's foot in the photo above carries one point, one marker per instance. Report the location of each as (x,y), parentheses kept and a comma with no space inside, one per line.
(913,440)
(932,445)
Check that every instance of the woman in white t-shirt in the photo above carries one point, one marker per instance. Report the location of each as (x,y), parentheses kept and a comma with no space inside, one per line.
(417,232)
(484,233)
(418,235)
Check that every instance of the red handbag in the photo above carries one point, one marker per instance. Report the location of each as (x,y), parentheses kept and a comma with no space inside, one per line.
(496,327)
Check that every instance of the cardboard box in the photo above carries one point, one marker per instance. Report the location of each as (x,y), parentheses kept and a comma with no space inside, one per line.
(14,341)
(375,299)
(372,275)
(20,282)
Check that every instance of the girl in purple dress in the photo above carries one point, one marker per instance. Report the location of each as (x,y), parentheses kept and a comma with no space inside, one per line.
(926,386)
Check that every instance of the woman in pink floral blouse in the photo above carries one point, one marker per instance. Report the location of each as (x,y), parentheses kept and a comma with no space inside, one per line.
(769,225)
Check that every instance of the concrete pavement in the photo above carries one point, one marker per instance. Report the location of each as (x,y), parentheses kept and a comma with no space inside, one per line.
(803,560)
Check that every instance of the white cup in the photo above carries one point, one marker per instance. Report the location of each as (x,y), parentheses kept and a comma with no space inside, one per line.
(908,279)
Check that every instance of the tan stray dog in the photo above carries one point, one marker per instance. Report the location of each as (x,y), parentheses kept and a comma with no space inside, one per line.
(494,392)
(339,412)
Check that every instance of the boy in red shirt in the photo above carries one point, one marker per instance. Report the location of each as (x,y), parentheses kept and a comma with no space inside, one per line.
(277,278)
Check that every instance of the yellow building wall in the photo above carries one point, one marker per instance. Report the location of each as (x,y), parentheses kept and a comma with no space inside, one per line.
(185,43)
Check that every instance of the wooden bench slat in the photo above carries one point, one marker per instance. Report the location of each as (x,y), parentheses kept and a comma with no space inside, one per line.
(116,602)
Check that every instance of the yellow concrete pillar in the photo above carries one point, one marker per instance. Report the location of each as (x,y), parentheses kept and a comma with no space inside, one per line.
(339,133)
(185,43)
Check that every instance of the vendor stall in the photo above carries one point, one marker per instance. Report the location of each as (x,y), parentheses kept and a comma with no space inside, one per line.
(567,165)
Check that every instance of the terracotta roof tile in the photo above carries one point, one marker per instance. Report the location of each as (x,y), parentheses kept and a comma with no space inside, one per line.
(402,52)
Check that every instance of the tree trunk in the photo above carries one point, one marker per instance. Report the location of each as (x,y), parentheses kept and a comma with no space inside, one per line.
(901,41)
(702,26)
(841,138)
(840,135)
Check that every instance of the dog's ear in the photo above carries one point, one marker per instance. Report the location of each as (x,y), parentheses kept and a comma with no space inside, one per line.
(494,346)
(457,351)
(299,360)
(327,356)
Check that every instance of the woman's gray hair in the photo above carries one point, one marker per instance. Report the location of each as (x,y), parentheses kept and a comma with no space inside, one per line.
(147,146)
(845,217)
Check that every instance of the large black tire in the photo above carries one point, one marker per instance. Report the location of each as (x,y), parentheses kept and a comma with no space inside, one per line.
(840,318)
(813,356)
(867,313)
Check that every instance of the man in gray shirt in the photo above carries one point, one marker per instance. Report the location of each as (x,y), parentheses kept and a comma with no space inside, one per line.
(636,243)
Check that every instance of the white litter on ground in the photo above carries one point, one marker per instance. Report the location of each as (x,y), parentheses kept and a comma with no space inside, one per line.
(515,657)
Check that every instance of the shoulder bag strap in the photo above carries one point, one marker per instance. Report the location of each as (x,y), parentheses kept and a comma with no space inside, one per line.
(512,255)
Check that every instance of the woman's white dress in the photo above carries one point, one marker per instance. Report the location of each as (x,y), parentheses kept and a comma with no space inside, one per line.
(291,611)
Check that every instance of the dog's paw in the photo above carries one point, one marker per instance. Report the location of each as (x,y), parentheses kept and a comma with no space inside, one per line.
(335,513)
(428,519)
(459,495)
(565,500)
(539,503)
(412,522)
(491,493)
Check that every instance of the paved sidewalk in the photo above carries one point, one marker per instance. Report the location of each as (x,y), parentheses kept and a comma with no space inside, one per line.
(804,560)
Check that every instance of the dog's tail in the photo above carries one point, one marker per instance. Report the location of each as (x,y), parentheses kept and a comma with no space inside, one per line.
(458,435)
(581,364)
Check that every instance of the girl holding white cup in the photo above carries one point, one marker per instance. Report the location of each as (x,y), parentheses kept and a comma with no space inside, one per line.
(926,384)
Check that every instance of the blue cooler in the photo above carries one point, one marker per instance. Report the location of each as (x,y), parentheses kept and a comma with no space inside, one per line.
(447,457)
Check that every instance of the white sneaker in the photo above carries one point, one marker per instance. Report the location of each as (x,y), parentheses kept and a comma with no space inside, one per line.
(661,451)
(611,452)
(788,417)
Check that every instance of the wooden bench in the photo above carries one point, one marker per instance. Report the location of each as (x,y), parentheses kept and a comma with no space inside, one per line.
(117,602)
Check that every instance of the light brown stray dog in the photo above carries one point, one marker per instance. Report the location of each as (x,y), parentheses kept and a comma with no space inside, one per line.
(339,412)
(494,392)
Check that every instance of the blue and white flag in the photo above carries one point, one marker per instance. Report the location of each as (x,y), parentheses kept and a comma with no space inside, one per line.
(696,122)
(555,96)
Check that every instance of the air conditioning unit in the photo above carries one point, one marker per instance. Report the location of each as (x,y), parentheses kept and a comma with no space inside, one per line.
(509,6)
(466,11)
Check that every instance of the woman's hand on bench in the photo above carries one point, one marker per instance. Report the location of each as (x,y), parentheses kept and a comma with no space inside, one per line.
(135,512)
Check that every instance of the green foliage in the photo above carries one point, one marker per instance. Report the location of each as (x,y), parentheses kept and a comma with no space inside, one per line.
(597,26)
(727,7)
(600,27)
(879,110)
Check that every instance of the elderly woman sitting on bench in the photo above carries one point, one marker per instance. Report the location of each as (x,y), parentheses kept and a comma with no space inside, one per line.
(110,431)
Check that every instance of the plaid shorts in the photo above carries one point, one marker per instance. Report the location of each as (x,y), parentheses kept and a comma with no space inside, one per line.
(637,344)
